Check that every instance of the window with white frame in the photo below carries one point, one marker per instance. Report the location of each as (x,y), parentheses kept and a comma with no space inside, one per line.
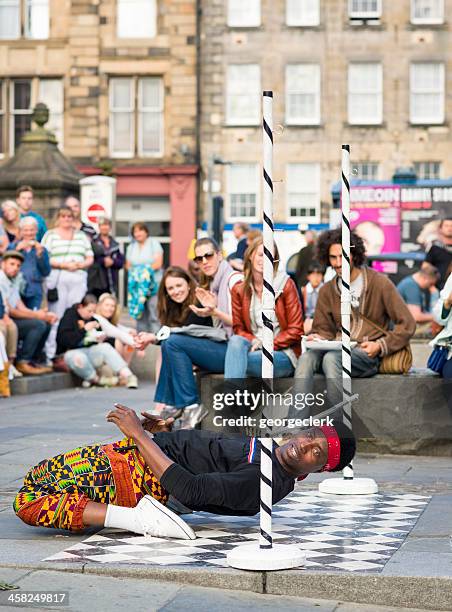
(365,94)
(10,21)
(36,19)
(428,169)
(364,9)
(136,18)
(427,11)
(136,117)
(303,192)
(303,94)
(243,90)
(427,93)
(27,18)
(365,171)
(20,110)
(302,12)
(50,91)
(150,117)
(244,14)
(17,100)
(243,191)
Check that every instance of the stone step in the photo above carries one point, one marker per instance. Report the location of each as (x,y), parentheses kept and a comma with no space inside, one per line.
(40,384)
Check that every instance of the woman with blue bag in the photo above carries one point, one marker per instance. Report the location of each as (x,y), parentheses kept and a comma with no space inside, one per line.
(441,358)
(144,262)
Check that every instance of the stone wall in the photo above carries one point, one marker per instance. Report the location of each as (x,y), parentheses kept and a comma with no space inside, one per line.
(85,52)
(395,42)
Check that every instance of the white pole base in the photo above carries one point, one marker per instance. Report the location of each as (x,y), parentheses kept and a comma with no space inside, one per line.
(252,557)
(353,486)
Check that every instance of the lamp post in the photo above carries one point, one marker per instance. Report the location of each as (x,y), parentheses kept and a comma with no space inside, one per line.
(214,160)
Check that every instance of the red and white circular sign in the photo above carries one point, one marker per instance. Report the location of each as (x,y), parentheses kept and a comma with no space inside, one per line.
(95,211)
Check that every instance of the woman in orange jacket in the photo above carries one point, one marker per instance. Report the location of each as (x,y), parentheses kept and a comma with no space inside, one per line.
(244,352)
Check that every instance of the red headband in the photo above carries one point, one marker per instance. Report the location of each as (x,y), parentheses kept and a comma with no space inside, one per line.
(334,448)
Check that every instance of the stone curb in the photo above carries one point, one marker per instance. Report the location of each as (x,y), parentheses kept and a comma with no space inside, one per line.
(422,592)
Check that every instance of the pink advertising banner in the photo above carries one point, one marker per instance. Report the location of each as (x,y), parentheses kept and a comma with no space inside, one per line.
(375,216)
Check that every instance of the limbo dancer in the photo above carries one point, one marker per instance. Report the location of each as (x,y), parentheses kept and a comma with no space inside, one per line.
(126,484)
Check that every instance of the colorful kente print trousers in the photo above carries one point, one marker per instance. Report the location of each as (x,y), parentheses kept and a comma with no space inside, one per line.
(56,491)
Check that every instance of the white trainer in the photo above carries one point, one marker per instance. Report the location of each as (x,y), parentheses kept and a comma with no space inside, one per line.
(160,522)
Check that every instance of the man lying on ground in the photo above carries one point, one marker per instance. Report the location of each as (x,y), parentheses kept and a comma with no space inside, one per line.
(126,484)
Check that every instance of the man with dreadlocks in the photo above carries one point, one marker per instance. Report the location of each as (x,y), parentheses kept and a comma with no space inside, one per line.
(381,323)
(127,484)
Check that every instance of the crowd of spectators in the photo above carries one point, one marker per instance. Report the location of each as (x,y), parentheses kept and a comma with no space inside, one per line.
(59,304)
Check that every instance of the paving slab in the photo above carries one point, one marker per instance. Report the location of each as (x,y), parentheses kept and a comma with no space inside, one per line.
(100,592)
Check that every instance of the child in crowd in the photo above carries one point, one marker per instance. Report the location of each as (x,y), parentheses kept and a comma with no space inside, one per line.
(310,293)
(84,352)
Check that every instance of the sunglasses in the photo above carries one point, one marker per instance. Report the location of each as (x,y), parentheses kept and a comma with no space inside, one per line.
(207,256)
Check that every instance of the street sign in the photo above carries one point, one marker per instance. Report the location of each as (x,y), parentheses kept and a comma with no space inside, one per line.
(98,199)
(94,212)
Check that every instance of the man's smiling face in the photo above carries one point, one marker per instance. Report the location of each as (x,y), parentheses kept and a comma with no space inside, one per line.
(304,453)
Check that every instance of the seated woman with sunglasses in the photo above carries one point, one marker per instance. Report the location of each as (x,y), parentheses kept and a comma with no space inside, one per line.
(176,385)
(244,353)
(176,295)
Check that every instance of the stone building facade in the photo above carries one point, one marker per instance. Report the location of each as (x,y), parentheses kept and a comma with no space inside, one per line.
(119,77)
(372,73)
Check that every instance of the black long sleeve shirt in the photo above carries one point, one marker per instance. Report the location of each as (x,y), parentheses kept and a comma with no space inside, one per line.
(218,473)
(69,334)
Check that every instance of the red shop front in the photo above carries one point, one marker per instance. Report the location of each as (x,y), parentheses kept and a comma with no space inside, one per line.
(163,197)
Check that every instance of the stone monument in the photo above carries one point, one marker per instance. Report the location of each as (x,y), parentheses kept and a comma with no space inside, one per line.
(38,162)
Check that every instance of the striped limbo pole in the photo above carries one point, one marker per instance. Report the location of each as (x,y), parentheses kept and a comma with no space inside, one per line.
(265,555)
(346,298)
(268,314)
(348,485)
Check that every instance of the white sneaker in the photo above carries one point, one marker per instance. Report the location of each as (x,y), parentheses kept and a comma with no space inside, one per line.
(108,381)
(14,372)
(132,382)
(160,522)
(192,416)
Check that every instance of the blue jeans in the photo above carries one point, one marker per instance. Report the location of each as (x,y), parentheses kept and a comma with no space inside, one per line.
(177,385)
(330,364)
(447,374)
(85,361)
(33,334)
(240,363)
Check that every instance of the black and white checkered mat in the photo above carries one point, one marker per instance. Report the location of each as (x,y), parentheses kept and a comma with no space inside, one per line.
(350,533)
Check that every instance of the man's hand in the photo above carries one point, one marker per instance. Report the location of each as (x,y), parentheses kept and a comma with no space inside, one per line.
(154,423)
(314,337)
(108,262)
(372,349)
(50,317)
(44,315)
(126,420)
(72,266)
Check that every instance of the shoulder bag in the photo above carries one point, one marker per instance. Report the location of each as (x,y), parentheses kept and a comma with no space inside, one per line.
(52,294)
(397,363)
